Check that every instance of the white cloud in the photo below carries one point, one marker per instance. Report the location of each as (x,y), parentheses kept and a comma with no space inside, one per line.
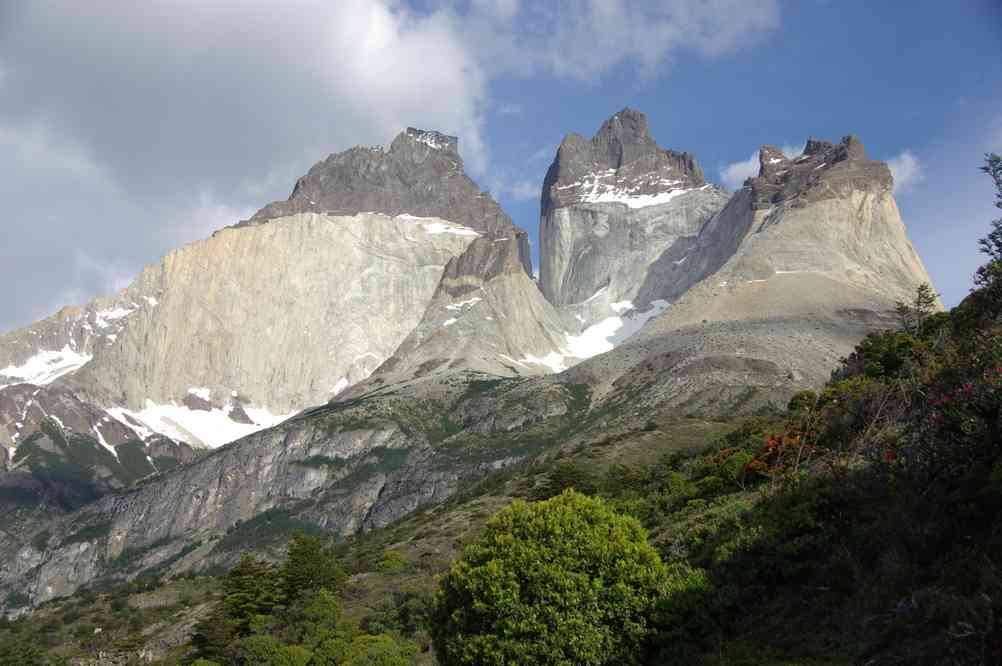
(907,171)
(733,175)
(586,39)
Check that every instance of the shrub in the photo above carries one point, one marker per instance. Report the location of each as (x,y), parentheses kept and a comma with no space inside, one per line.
(308,567)
(566,580)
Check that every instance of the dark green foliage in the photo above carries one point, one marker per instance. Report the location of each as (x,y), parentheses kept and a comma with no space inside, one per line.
(912,315)
(91,532)
(566,580)
(567,474)
(132,458)
(269,527)
(379,650)
(41,540)
(17,600)
(309,566)
(322,461)
(131,555)
(20,652)
(801,401)
(289,616)
(251,588)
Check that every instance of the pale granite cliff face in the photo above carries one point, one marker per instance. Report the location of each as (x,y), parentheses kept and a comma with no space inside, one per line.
(612,208)
(486,315)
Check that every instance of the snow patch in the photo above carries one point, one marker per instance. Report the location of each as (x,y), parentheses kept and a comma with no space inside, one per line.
(622,306)
(598,338)
(46,366)
(103,317)
(200,392)
(609,333)
(601,188)
(429,140)
(449,322)
(636,200)
(441,228)
(554,361)
(212,428)
(100,438)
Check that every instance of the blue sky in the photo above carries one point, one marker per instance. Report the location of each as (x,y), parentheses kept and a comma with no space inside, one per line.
(128,130)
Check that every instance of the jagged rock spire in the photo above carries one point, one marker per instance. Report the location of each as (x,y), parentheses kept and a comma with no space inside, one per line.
(623,155)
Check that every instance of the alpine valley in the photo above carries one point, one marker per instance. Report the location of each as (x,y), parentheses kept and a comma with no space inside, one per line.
(375,348)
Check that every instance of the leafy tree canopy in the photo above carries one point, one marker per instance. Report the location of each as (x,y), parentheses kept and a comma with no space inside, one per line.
(563,581)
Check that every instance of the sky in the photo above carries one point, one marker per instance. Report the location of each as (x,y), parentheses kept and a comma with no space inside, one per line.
(128,129)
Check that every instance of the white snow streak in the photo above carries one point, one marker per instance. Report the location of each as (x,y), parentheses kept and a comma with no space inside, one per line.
(441,228)
(46,366)
(598,338)
(213,428)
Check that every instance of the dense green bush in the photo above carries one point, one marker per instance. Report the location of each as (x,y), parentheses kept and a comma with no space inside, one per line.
(563,581)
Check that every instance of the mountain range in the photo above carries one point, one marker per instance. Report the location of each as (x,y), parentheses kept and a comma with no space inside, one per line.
(378,340)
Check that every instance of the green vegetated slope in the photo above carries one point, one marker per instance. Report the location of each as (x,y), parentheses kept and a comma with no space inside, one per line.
(862,526)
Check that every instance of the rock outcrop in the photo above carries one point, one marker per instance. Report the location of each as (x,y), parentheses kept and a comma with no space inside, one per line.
(487,315)
(615,209)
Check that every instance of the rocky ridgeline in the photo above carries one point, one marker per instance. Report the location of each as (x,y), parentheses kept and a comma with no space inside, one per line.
(823,170)
(395,296)
(420,174)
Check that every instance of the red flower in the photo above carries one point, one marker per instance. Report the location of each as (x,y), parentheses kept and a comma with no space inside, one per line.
(890,456)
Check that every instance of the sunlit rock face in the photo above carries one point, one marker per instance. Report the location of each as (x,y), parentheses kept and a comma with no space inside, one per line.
(238,331)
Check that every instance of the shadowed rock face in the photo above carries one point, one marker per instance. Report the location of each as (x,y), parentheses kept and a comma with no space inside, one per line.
(823,171)
(621,157)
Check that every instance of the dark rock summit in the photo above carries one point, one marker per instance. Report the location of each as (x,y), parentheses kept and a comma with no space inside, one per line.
(420,174)
(621,159)
(824,170)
